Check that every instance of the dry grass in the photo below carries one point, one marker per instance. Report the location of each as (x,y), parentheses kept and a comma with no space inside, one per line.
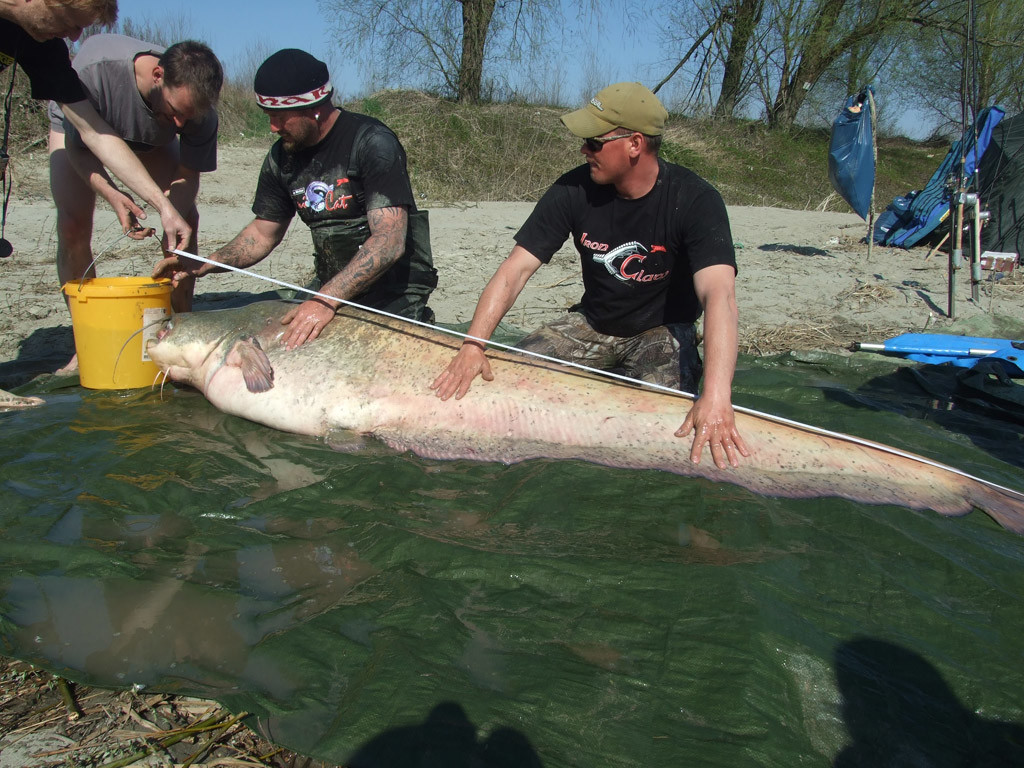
(825,334)
(864,294)
(460,152)
(110,729)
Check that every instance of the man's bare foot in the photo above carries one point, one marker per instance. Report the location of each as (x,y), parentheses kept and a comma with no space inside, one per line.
(10,400)
(71,367)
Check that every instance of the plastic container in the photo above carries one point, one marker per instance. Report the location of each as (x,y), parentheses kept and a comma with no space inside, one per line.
(113,318)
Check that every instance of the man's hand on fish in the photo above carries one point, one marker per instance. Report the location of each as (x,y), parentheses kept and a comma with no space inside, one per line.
(306,322)
(467,364)
(713,424)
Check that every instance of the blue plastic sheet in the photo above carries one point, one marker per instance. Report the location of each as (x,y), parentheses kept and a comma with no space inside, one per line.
(918,214)
(851,154)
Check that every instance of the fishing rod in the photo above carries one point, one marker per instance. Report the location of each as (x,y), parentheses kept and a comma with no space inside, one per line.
(608,374)
(965,205)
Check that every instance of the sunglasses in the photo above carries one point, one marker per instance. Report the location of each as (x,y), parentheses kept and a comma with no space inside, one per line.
(594,145)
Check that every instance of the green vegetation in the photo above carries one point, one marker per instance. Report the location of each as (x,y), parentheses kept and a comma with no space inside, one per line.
(514,151)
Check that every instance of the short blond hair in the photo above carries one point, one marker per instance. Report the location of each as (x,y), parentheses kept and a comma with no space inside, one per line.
(104,11)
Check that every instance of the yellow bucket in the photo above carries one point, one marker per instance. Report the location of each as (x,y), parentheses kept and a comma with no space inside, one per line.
(105,313)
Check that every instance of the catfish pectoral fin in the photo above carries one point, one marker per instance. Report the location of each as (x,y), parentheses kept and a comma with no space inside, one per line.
(247,354)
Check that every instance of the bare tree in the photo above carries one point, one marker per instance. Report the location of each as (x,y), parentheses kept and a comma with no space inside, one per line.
(744,19)
(960,60)
(779,49)
(476,21)
(814,36)
(444,45)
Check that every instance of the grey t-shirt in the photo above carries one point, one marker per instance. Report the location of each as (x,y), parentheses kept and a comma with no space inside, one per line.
(106,66)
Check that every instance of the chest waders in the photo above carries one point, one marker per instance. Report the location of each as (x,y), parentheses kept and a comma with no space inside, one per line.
(406,286)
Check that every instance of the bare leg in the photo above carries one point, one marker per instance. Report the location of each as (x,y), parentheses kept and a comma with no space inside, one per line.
(76,204)
(181,185)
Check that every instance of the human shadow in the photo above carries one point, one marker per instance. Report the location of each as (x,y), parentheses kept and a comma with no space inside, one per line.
(900,712)
(799,250)
(445,739)
(980,403)
(43,351)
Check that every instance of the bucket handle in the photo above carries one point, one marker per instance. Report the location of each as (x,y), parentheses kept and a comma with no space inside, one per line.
(85,274)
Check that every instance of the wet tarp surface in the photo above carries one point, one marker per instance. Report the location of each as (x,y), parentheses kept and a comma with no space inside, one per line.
(376,608)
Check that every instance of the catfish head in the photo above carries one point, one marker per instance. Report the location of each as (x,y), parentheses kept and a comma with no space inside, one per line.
(193,347)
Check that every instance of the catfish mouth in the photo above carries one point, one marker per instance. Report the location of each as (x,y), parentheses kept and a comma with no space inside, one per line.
(172,354)
(157,338)
(168,326)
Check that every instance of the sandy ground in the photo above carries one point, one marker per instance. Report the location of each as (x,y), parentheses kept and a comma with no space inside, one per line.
(805,277)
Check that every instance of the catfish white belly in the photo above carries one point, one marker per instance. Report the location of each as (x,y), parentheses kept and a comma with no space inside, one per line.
(370,374)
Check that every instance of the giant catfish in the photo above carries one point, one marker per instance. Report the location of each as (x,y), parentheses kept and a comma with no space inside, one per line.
(370,373)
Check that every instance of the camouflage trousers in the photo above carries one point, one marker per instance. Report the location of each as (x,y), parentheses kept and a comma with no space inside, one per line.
(665,355)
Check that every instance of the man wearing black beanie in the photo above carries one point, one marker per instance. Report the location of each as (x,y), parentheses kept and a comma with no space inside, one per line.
(345,174)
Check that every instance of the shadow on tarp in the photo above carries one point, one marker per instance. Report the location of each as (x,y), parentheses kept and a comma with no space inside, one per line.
(614,617)
(900,711)
(234,299)
(960,400)
(445,739)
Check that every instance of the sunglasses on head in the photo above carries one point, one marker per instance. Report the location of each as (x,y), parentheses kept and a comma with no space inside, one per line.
(594,145)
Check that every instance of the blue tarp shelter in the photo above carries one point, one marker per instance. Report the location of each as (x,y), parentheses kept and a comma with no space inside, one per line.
(911,218)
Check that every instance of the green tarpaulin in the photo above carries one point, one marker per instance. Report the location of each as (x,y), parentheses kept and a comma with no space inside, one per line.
(374,608)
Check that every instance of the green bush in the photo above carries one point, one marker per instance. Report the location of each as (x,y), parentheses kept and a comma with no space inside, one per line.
(515,151)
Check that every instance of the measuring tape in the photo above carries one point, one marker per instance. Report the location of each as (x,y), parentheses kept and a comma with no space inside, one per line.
(608,374)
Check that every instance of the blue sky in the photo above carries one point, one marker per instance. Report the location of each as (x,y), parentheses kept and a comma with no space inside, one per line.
(238,30)
(243,32)
(233,27)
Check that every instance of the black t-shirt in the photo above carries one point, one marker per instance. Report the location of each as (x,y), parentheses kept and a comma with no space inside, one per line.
(48,64)
(359,166)
(638,256)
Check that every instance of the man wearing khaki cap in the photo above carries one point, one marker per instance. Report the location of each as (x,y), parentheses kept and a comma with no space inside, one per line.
(656,253)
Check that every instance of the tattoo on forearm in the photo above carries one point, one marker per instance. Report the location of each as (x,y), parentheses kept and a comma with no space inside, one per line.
(241,252)
(384,247)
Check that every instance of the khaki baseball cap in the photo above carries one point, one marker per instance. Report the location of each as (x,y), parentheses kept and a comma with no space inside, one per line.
(622,105)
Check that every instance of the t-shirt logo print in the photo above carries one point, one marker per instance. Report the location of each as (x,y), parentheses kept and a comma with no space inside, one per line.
(319,196)
(626,262)
(316,195)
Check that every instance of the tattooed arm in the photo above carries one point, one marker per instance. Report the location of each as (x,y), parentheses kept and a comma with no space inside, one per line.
(252,244)
(383,247)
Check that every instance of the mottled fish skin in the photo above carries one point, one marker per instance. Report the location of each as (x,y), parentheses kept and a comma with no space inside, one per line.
(370,374)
